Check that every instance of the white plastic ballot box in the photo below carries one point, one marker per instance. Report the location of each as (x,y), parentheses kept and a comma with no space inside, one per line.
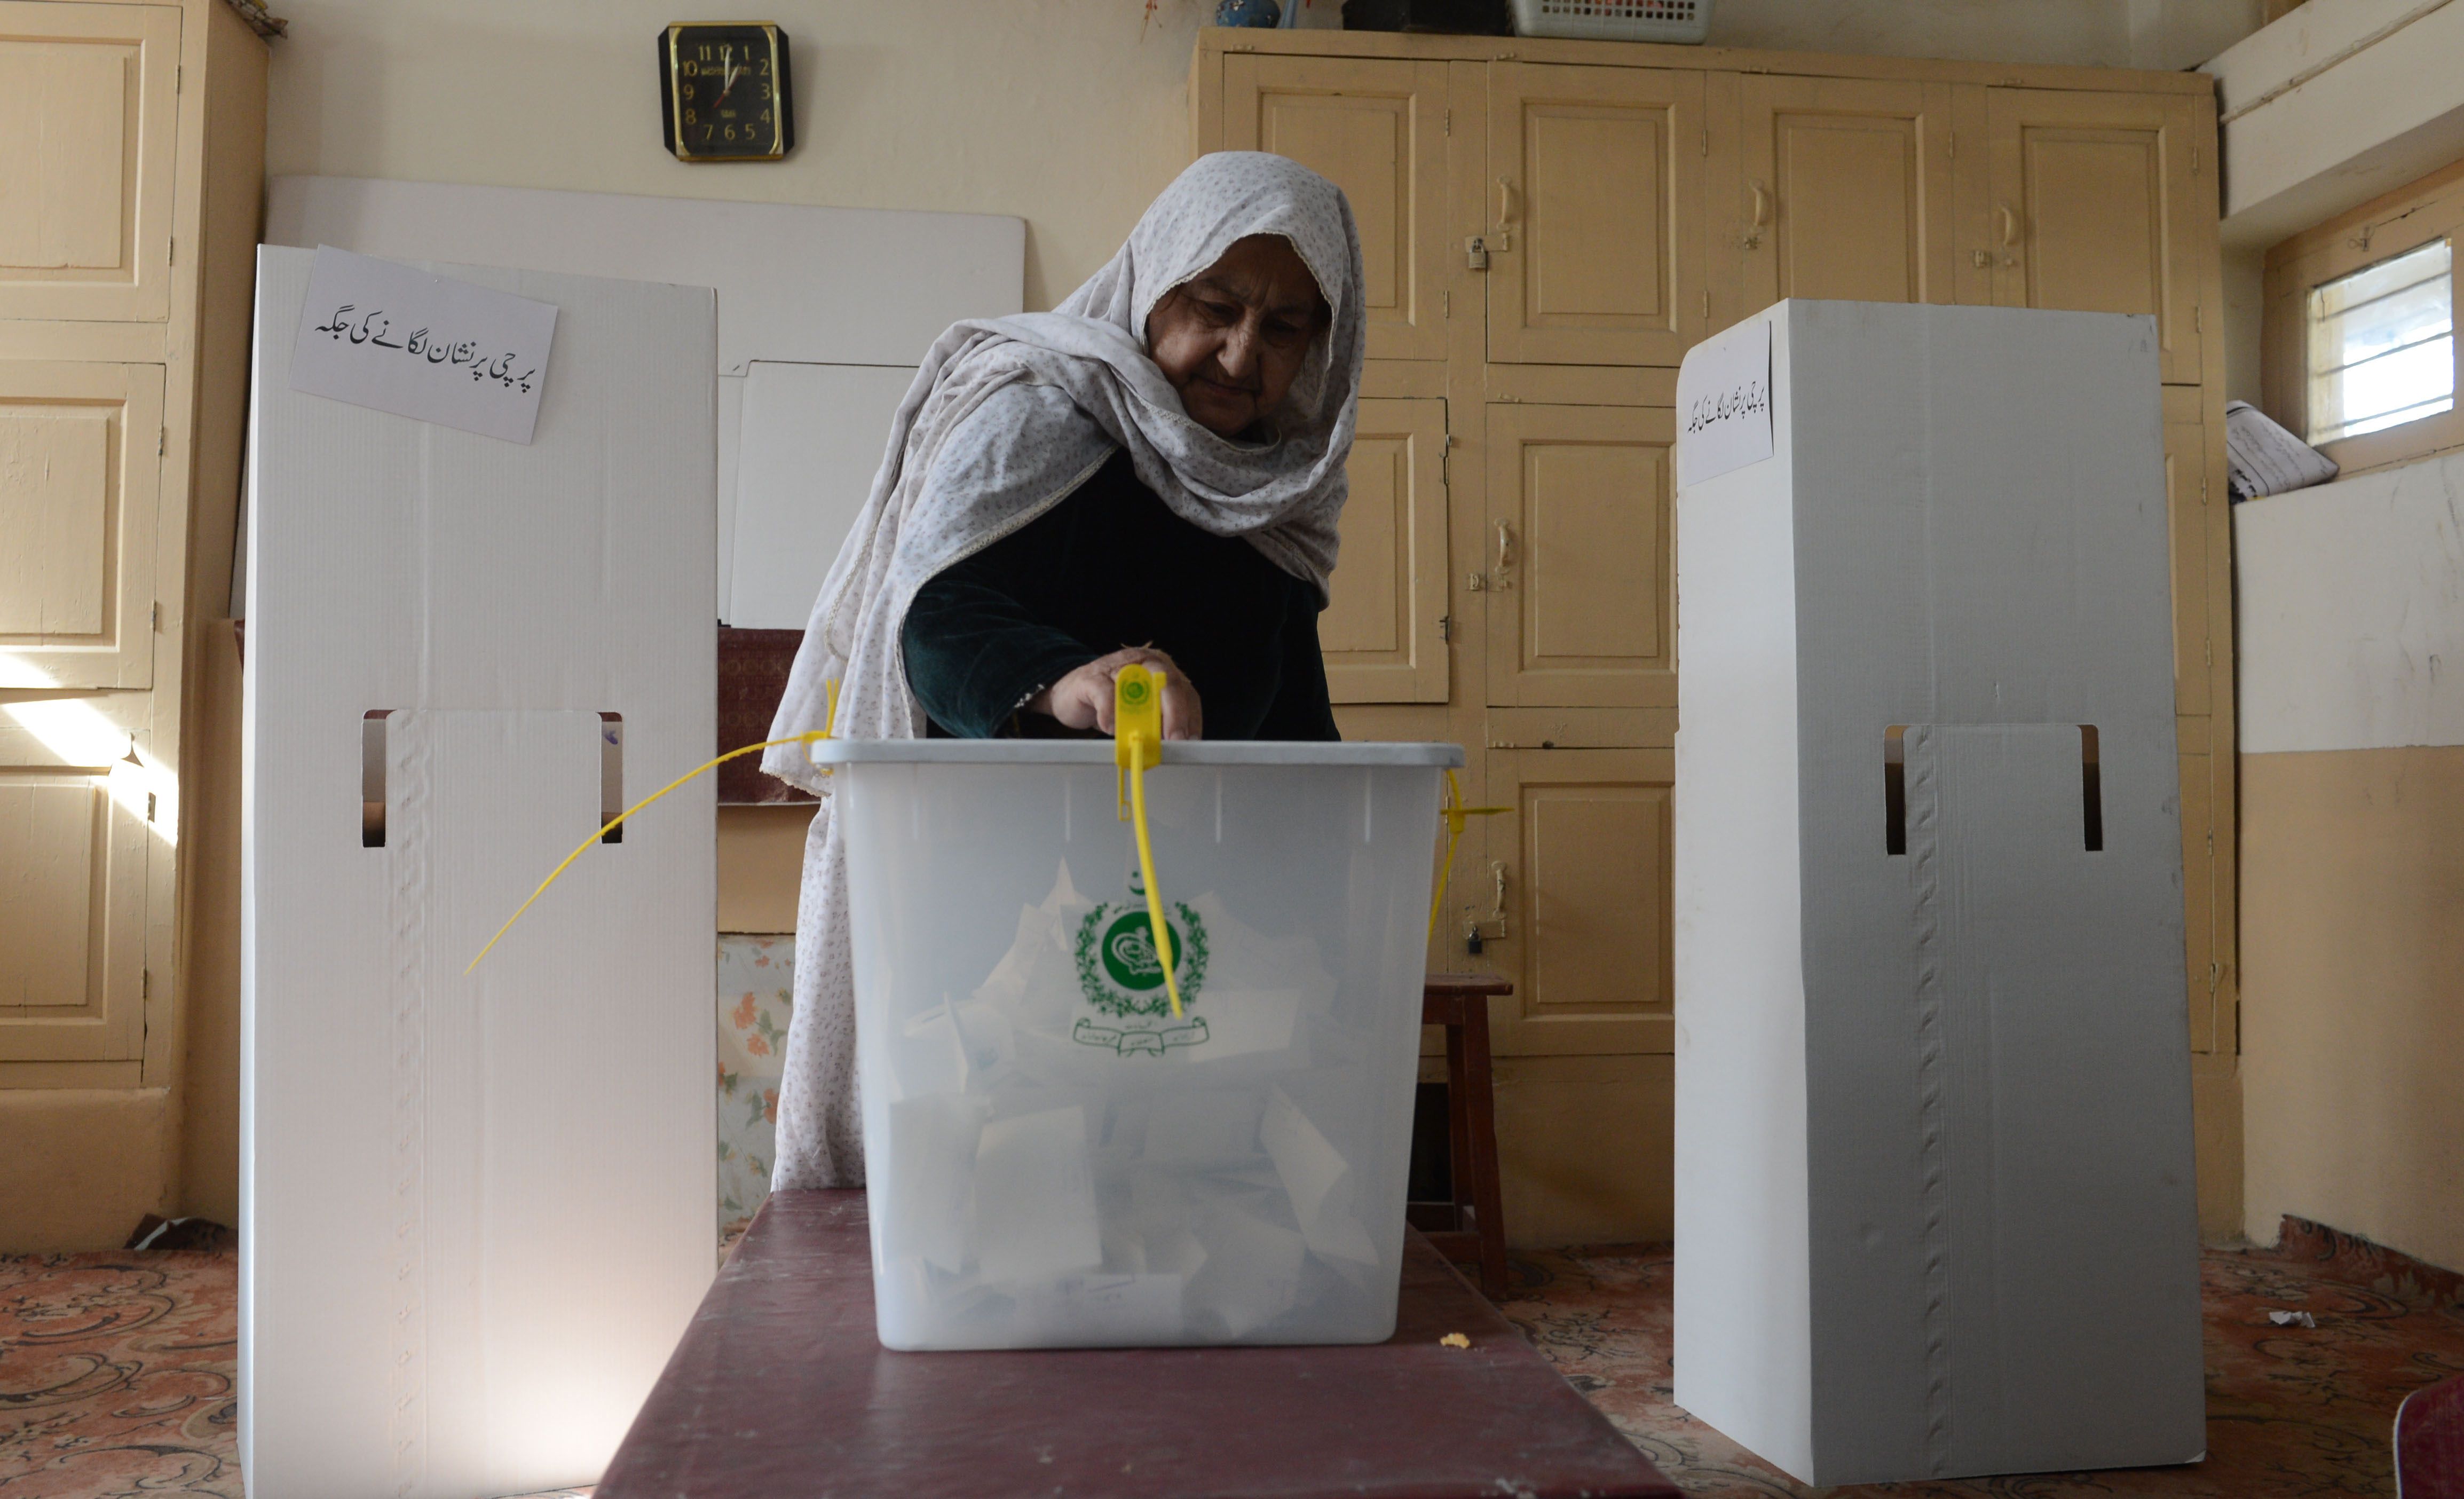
(1054,1158)
(475,1206)
(1934,1208)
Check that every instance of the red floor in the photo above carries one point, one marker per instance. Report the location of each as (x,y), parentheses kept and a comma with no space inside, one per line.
(116,1373)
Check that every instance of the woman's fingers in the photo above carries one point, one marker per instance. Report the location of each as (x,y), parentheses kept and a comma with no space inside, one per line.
(1084,699)
(1181,715)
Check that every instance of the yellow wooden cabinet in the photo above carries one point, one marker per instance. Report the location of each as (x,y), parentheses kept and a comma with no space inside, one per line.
(1547,227)
(1378,128)
(86,173)
(2103,202)
(1595,180)
(1579,585)
(78,479)
(131,165)
(1579,870)
(1846,190)
(1384,635)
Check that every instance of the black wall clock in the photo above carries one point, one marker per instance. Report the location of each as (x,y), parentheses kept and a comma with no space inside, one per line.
(724,91)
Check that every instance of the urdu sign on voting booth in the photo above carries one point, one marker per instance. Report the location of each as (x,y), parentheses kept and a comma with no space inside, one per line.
(393,338)
(1934,1199)
(475,1206)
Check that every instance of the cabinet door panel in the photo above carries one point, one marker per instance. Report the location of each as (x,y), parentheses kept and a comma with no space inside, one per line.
(78,490)
(1847,191)
(87,123)
(1376,129)
(1580,872)
(2104,202)
(1380,633)
(1579,574)
(1594,219)
(72,902)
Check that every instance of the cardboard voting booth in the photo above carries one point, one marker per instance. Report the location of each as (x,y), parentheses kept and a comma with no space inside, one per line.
(1934,1208)
(475,1207)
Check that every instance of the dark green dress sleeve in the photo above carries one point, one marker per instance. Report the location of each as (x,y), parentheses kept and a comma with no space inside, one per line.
(976,654)
(1111,565)
(1299,708)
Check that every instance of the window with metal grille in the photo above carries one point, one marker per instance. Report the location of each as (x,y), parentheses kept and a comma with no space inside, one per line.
(2382,344)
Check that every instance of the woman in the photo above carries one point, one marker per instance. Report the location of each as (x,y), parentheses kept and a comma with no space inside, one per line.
(1151,473)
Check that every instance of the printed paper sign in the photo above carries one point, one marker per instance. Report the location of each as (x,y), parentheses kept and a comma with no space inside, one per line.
(388,336)
(1724,404)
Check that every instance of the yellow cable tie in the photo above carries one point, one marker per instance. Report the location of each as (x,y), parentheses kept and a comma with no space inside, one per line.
(1455,813)
(1137,742)
(829,688)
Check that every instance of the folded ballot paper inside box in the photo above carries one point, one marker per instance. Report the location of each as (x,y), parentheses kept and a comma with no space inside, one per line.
(1056,1155)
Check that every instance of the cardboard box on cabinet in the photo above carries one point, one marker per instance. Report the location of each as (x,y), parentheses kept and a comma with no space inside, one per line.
(1934,1200)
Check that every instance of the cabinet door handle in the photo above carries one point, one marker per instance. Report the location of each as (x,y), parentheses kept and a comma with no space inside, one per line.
(1505,549)
(1762,214)
(1506,202)
(2010,225)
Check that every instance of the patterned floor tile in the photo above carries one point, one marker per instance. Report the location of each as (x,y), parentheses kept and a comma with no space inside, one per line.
(116,1374)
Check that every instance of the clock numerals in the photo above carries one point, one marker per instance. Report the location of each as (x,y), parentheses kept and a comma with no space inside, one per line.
(725,92)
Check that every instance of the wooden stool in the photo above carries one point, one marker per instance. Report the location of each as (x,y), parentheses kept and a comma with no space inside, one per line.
(1470,1229)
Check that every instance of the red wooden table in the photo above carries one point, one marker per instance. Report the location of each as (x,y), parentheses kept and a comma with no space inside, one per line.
(780,1387)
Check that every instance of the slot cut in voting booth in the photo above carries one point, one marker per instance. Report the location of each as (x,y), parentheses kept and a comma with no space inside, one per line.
(1934,1199)
(475,1208)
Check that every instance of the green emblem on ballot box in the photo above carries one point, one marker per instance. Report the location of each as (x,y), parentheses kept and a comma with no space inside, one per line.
(1121,975)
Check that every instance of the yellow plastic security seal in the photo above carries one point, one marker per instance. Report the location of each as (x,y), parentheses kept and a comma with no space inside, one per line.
(1455,815)
(829,724)
(1137,747)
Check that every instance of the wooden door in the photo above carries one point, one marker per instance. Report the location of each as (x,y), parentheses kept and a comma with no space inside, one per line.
(2103,202)
(80,466)
(73,867)
(1847,191)
(86,148)
(1579,873)
(1595,214)
(1376,129)
(1383,629)
(1578,578)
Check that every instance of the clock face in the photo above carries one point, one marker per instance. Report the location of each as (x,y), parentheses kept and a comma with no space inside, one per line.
(724,91)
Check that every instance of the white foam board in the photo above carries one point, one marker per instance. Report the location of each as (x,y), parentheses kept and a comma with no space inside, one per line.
(814,435)
(731,427)
(850,286)
(2350,605)
(474,1209)
(796,283)
(1934,1205)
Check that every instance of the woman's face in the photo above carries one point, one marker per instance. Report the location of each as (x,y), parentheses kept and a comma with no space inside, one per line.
(1232,337)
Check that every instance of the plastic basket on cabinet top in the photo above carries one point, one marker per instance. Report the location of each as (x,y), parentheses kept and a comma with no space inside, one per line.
(1614,20)
(1055,1157)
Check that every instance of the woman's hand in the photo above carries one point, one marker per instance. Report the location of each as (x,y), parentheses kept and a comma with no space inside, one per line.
(1084,699)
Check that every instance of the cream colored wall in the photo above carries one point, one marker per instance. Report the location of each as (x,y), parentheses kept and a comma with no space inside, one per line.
(2352,878)
(2353,994)
(2095,33)
(1070,114)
